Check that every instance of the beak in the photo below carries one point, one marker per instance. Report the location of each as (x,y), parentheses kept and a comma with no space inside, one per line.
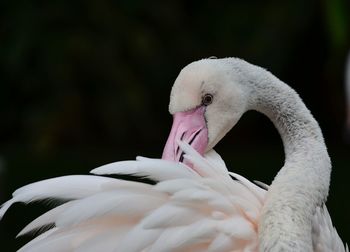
(190,127)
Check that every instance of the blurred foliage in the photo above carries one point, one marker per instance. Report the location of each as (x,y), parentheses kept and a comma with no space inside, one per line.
(83,83)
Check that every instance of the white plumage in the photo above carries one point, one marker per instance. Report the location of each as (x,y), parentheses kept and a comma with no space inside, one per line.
(195,205)
(182,212)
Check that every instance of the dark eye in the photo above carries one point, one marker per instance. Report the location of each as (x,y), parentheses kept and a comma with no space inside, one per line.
(207,99)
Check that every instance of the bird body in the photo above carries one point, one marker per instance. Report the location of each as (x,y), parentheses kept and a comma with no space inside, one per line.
(195,205)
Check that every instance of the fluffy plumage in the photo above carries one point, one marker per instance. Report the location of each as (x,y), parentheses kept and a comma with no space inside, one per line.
(183,211)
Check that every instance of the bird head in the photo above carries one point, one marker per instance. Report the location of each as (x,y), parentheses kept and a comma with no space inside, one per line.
(206,101)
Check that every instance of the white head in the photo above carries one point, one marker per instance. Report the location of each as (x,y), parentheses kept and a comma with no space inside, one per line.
(207,100)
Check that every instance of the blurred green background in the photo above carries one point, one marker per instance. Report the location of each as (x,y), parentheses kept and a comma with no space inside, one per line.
(84,83)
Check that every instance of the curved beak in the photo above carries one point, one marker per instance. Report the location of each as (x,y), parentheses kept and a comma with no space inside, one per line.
(190,127)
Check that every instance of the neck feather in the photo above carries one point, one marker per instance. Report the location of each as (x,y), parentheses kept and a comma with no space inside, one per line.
(302,184)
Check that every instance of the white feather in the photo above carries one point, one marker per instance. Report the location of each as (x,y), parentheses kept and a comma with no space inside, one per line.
(113,203)
(325,236)
(155,169)
(175,185)
(256,190)
(69,238)
(66,187)
(221,243)
(216,161)
(145,238)
(37,240)
(171,215)
(200,165)
(106,241)
(180,238)
(47,218)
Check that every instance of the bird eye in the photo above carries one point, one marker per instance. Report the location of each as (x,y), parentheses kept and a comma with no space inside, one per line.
(207,99)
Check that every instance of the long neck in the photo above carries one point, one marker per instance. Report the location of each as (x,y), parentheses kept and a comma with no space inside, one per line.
(302,184)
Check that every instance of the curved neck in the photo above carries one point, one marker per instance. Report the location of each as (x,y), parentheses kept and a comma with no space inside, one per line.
(302,184)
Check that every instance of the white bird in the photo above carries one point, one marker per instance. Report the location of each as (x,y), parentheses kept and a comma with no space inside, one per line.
(195,205)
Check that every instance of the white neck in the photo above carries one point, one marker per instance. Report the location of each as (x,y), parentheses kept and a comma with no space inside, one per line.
(302,183)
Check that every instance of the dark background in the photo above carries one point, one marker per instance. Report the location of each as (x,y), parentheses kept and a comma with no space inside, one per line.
(84,83)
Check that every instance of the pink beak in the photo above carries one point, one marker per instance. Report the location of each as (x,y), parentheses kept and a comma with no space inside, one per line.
(190,127)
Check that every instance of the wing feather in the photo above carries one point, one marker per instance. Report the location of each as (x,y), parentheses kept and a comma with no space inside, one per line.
(189,209)
(324,236)
(171,215)
(155,169)
(47,218)
(181,238)
(66,187)
(109,203)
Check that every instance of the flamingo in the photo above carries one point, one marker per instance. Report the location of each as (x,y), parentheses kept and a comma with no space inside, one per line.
(196,204)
